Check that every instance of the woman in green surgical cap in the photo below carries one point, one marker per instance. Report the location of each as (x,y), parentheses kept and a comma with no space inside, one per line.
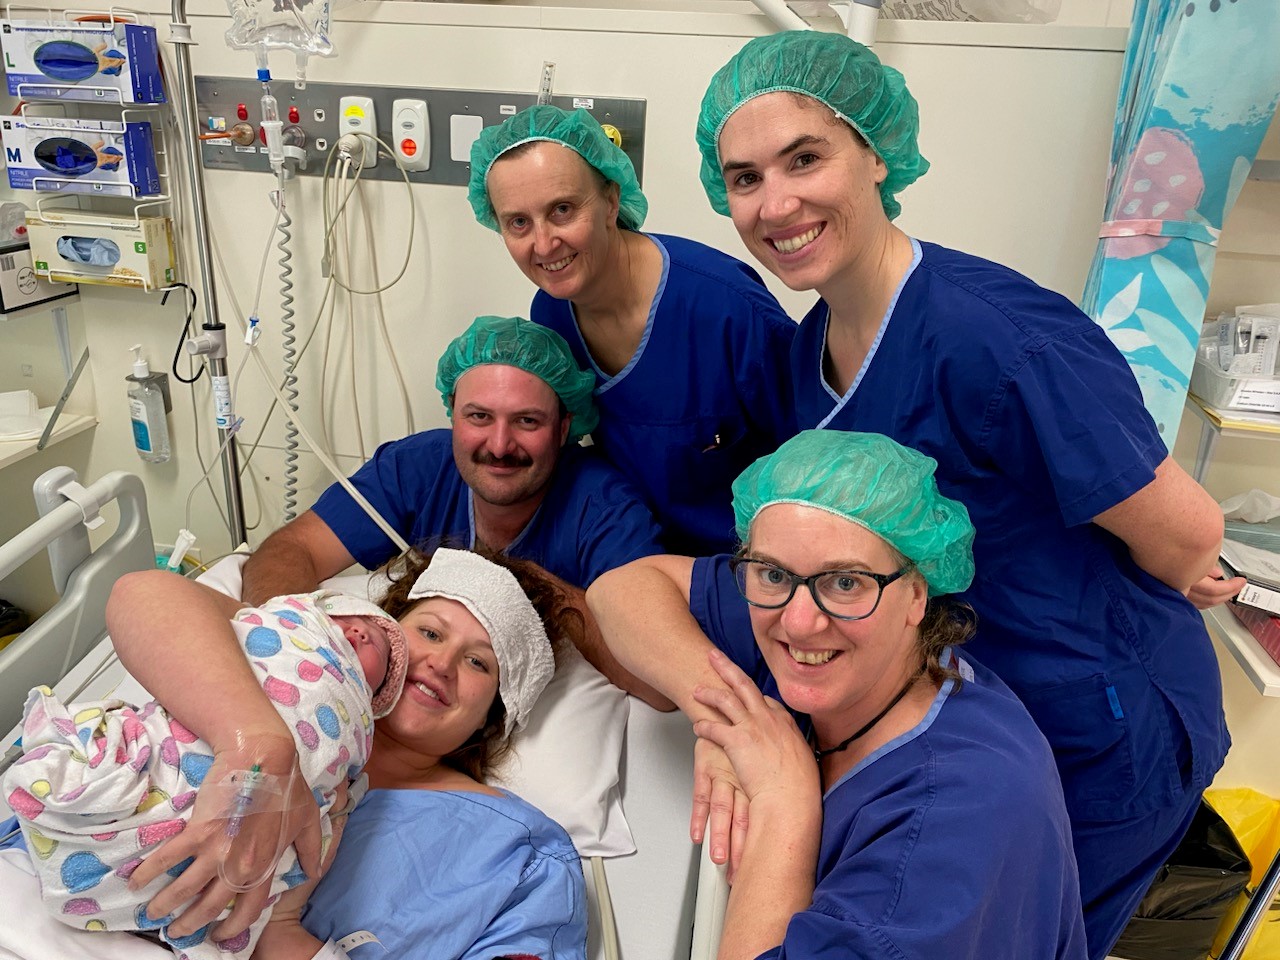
(899,800)
(687,347)
(1089,536)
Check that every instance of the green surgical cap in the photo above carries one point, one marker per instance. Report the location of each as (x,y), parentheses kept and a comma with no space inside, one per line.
(834,70)
(516,342)
(874,482)
(580,132)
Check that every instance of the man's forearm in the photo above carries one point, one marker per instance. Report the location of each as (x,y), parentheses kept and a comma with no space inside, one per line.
(294,559)
(276,568)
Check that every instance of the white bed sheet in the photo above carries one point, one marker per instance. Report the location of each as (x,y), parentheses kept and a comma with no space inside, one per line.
(38,936)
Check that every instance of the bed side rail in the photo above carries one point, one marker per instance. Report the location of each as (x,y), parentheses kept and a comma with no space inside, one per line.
(59,639)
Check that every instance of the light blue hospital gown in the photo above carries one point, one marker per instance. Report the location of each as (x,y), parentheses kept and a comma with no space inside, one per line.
(452,875)
(102,784)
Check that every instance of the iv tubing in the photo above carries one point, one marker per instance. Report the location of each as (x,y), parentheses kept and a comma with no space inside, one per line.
(324,458)
(180,37)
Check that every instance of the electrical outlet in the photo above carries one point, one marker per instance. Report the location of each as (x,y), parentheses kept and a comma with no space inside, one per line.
(28,370)
(358,115)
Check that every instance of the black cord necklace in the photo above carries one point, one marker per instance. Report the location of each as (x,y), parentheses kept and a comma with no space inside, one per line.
(819,754)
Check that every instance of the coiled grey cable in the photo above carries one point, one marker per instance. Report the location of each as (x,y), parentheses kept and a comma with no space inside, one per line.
(288,340)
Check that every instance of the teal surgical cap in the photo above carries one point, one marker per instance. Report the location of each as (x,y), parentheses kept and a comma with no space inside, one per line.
(580,132)
(834,70)
(874,482)
(515,342)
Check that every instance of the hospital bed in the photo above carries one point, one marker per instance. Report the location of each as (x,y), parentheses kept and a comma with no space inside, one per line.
(644,905)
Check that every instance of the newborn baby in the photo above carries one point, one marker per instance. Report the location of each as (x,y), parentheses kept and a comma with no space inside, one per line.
(99,784)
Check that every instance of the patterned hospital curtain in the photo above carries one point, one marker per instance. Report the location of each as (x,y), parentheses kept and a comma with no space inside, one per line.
(1199,88)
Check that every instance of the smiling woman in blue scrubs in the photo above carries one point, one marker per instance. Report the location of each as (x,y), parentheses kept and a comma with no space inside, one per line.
(903,804)
(1088,534)
(688,347)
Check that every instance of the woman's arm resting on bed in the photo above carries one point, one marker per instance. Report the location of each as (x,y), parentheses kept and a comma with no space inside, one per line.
(642,610)
(643,613)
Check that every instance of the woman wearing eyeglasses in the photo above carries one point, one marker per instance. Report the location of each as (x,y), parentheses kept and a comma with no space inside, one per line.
(890,796)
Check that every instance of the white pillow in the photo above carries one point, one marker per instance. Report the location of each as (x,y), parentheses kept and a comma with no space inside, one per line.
(566,762)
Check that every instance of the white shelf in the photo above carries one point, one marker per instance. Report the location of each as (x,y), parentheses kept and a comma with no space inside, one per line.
(1254,661)
(1236,424)
(69,424)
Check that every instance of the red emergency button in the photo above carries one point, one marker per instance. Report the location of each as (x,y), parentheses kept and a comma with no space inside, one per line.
(408,147)
(242,111)
(294,116)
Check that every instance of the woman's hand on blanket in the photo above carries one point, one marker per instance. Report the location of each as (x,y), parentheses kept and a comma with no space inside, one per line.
(262,838)
(769,754)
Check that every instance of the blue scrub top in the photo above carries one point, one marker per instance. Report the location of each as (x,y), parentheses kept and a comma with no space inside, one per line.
(1038,426)
(450,875)
(591,520)
(702,398)
(951,840)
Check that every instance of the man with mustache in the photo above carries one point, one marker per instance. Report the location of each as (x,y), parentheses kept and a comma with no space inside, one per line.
(506,477)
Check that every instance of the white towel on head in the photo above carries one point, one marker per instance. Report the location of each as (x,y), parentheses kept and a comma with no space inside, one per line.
(495,598)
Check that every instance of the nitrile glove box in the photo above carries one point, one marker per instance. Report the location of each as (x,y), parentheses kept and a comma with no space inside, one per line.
(107,157)
(81,247)
(60,59)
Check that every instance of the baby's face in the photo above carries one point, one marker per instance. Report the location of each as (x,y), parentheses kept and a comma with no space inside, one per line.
(372,646)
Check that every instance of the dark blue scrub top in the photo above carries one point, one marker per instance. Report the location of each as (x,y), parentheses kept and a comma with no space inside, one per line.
(951,840)
(591,521)
(705,394)
(1038,426)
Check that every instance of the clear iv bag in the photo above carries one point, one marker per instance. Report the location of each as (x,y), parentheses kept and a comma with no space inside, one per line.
(301,26)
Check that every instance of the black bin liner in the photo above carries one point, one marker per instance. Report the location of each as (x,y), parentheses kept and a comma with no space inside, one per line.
(1192,892)
(12,619)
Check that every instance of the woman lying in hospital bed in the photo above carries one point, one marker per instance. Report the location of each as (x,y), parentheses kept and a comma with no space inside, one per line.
(100,783)
(478,656)
(914,809)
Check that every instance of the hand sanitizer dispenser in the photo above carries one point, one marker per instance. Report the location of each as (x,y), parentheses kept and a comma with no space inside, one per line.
(147,408)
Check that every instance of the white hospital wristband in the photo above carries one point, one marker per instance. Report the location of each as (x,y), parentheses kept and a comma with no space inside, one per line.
(330,951)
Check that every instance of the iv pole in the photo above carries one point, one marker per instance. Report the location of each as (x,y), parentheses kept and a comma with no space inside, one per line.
(214,343)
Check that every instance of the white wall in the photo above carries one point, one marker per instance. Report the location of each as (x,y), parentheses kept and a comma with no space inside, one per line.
(1016,120)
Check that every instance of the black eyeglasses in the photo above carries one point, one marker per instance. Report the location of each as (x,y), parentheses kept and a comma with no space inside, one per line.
(840,594)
